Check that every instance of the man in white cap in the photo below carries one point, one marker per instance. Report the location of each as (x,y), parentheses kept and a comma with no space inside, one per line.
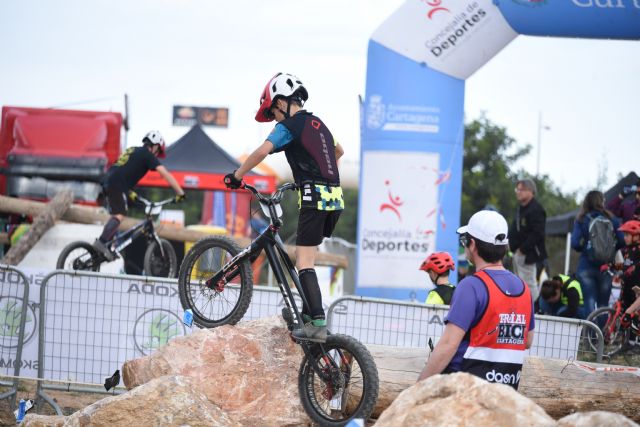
(490,323)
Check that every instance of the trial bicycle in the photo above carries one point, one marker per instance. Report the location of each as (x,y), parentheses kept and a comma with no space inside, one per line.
(338,379)
(616,338)
(160,258)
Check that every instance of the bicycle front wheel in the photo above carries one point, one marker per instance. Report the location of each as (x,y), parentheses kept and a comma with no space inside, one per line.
(615,337)
(347,387)
(225,301)
(79,256)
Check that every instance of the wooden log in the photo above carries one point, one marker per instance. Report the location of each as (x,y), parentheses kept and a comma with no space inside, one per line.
(4,238)
(91,215)
(559,387)
(45,219)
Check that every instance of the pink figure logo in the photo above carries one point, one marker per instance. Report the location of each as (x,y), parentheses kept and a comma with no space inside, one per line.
(394,203)
(435,7)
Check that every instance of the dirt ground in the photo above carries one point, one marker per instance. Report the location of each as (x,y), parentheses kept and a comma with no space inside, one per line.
(69,402)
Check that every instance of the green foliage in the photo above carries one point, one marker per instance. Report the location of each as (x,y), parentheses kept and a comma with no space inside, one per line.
(487,178)
(490,178)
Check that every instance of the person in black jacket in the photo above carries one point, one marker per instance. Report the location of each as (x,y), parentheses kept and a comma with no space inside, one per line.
(526,236)
(123,175)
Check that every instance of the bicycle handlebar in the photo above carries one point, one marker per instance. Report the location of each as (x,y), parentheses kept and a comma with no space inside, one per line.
(147,202)
(276,196)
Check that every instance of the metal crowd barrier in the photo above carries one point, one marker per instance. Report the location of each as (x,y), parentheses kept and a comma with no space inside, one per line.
(91,323)
(405,324)
(13,317)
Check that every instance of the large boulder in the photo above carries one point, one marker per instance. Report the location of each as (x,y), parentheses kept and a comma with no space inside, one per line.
(165,401)
(462,400)
(249,370)
(596,418)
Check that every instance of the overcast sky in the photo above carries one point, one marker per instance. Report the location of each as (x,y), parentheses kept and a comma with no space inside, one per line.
(88,54)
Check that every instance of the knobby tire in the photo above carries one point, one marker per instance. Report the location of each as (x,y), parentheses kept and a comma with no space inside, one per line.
(157,266)
(203,261)
(89,256)
(355,387)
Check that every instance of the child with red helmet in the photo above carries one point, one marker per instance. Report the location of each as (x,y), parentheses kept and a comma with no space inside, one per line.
(437,265)
(630,272)
(312,154)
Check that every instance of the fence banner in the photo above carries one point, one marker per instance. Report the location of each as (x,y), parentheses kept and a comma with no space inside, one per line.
(10,307)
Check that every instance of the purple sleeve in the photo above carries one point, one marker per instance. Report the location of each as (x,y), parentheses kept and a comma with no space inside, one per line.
(615,205)
(532,324)
(468,302)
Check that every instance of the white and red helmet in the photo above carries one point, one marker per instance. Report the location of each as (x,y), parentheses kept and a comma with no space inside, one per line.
(155,138)
(281,85)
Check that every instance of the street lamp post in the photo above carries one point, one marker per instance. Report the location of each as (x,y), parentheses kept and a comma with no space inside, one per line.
(540,128)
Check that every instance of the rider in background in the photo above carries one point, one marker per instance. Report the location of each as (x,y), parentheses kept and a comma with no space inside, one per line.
(312,154)
(629,269)
(125,173)
(437,265)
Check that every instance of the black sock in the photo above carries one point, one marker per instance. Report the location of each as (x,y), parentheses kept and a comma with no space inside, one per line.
(309,282)
(110,229)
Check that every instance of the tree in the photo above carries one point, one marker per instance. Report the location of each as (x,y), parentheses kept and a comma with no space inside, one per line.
(487,178)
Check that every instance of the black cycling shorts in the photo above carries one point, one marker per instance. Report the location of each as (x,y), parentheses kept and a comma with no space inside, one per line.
(314,225)
(116,201)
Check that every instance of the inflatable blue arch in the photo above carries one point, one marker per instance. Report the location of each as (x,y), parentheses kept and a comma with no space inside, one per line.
(412,120)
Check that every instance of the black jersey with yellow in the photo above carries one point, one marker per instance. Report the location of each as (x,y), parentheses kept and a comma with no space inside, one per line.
(311,155)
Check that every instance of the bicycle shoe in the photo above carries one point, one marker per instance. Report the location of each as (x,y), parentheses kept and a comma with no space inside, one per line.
(314,331)
(104,250)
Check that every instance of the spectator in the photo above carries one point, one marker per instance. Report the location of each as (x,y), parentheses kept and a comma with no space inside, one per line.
(438,265)
(526,236)
(625,209)
(596,285)
(562,296)
(490,323)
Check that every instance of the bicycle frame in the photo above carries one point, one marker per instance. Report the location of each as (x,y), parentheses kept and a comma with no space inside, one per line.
(611,326)
(271,242)
(144,227)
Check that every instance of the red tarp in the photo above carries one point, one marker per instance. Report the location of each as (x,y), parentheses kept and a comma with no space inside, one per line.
(59,133)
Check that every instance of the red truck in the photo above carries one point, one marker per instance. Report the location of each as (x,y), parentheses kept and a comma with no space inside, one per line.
(43,149)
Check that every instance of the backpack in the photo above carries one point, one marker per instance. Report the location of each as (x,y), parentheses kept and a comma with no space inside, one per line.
(601,247)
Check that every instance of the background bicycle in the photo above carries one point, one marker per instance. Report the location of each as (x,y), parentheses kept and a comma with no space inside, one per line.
(160,258)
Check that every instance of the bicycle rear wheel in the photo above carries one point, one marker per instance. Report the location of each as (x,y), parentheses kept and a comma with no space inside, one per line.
(348,387)
(224,302)
(615,337)
(157,265)
(79,256)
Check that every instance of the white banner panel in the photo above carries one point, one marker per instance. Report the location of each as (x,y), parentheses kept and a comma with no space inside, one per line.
(399,214)
(455,37)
